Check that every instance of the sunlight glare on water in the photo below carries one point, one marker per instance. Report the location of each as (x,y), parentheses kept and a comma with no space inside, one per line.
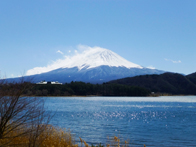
(166,121)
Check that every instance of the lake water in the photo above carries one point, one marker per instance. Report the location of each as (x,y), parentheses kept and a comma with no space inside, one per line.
(154,121)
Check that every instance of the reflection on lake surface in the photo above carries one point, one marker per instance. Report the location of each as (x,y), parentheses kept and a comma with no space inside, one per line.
(154,121)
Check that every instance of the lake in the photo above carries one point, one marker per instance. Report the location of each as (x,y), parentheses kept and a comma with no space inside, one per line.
(154,121)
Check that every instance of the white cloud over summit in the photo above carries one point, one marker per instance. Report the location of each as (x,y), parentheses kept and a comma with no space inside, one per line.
(80,49)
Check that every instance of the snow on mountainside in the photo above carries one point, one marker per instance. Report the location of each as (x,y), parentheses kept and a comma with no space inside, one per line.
(99,57)
(91,57)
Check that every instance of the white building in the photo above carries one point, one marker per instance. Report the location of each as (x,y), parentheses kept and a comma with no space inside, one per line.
(44,82)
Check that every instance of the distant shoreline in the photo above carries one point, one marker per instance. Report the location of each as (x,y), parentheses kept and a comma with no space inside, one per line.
(114,96)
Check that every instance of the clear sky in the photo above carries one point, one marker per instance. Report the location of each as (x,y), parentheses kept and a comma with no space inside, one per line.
(151,33)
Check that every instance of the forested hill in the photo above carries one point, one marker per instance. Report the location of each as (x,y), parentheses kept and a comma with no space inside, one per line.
(171,83)
(192,77)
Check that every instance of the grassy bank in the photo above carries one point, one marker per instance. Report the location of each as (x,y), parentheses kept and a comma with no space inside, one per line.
(52,137)
(49,137)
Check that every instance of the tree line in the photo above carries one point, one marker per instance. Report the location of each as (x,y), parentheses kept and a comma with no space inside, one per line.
(85,89)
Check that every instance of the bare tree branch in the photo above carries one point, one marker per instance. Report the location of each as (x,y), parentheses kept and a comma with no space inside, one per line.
(20,114)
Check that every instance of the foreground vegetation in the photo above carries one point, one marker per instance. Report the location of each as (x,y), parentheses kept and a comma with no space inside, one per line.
(49,137)
(54,137)
(25,123)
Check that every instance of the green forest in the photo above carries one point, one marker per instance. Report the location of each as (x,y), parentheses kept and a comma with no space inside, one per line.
(84,89)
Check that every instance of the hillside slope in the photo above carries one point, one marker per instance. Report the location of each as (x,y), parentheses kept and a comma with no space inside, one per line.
(171,83)
(192,77)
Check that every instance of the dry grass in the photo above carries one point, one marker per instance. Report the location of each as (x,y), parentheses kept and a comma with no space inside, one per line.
(112,142)
(116,142)
(50,137)
(54,137)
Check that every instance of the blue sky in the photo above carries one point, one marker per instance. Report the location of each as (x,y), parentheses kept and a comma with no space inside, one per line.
(156,33)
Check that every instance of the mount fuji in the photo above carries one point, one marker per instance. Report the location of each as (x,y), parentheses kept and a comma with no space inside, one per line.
(95,65)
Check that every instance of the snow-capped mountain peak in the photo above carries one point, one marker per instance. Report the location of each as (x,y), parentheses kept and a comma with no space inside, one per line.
(94,65)
(91,57)
(97,56)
